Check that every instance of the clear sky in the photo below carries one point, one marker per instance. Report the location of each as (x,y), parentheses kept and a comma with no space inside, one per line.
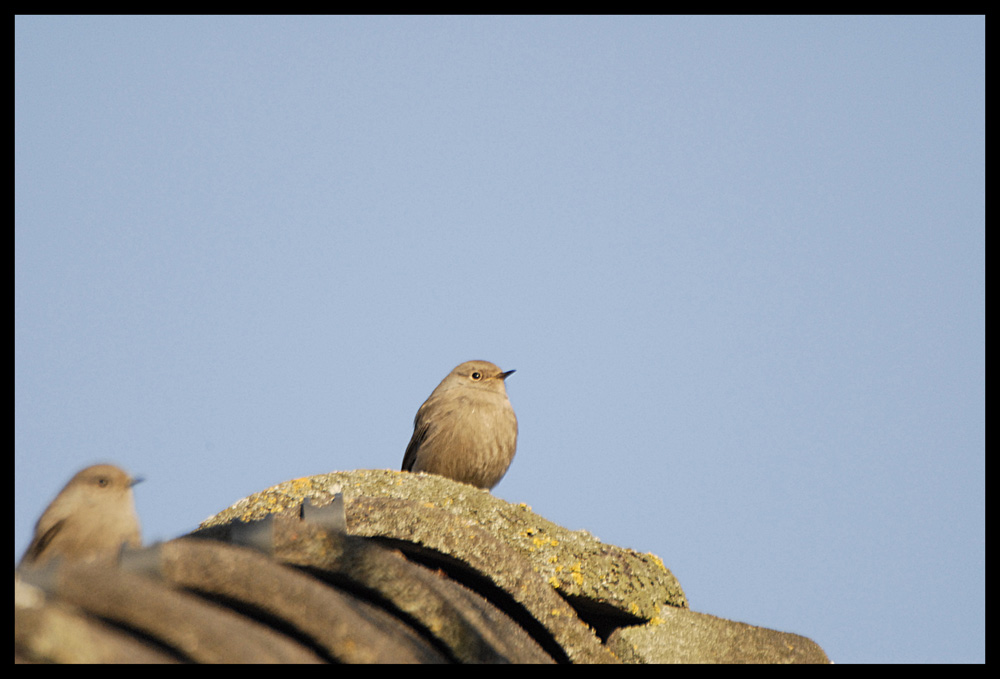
(737,263)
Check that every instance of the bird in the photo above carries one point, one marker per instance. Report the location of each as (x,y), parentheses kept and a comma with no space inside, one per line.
(90,519)
(466,430)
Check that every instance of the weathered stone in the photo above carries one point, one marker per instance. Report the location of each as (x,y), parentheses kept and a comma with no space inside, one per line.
(684,636)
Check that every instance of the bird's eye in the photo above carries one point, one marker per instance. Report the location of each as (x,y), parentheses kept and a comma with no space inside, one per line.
(477,376)
(102,482)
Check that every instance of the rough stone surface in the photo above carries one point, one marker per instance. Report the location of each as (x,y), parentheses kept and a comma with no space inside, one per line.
(345,628)
(447,540)
(574,562)
(378,567)
(192,628)
(55,632)
(468,625)
(684,636)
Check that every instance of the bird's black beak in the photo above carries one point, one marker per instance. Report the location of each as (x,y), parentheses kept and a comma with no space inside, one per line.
(507,374)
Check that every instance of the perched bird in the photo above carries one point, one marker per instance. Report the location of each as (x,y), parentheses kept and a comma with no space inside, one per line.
(466,429)
(90,519)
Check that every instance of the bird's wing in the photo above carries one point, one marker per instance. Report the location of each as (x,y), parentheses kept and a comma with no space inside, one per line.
(42,541)
(419,434)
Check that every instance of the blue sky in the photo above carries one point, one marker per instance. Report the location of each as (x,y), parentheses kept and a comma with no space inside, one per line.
(737,262)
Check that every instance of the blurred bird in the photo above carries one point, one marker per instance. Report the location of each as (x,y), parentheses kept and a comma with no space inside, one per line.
(89,520)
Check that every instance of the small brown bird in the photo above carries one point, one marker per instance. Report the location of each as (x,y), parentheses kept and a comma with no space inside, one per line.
(466,429)
(90,519)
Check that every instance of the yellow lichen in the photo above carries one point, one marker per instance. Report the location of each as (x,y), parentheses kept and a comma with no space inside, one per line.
(657,560)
